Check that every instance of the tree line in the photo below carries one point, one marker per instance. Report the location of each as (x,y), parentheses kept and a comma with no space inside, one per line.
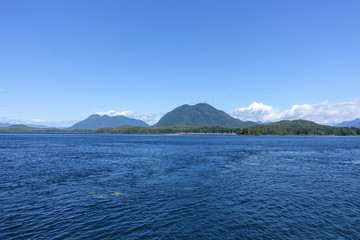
(296,127)
(299,127)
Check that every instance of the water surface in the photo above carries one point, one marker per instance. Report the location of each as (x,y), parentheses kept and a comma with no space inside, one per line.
(88,186)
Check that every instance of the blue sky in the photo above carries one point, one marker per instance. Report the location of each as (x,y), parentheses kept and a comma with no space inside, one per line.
(64,60)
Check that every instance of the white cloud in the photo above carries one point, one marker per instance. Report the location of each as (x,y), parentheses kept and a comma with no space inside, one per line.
(324,113)
(60,124)
(257,112)
(149,118)
(112,113)
(2,89)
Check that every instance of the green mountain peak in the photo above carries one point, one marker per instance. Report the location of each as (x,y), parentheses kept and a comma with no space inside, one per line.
(201,114)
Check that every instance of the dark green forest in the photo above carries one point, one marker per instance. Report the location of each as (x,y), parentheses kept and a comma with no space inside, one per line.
(201,114)
(169,130)
(296,127)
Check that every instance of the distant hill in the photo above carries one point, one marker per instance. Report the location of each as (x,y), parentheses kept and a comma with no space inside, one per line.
(201,114)
(5,124)
(96,121)
(298,127)
(29,125)
(38,126)
(21,128)
(353,123)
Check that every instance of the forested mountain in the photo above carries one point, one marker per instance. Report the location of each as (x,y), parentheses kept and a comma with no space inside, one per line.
(201,114)
(96,121)
(298,127)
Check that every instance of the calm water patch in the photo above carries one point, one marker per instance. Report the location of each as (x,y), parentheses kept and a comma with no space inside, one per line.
(180,186)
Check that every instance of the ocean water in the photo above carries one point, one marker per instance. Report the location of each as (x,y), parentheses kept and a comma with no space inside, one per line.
(79,186)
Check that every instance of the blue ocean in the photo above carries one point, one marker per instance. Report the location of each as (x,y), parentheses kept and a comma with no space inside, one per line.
(90,186)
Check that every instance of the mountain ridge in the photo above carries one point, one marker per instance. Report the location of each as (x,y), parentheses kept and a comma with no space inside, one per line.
(201,114)
(96,121)
(352,123)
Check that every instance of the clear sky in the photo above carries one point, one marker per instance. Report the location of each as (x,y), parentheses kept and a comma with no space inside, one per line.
(64,60)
